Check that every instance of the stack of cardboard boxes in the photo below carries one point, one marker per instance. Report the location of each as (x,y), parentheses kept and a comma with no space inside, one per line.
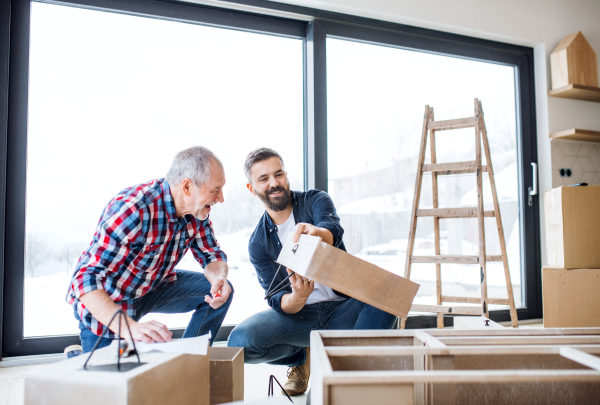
(571,281)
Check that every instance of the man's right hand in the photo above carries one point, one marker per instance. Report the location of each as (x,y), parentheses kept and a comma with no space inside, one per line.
(148,332)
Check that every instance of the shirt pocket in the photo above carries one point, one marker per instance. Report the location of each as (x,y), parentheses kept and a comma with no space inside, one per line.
(151,257)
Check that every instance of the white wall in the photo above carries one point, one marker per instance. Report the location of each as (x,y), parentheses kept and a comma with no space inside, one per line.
(540,24)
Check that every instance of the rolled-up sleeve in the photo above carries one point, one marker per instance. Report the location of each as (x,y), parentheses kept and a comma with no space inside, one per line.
(324,215)
(205,247)
(119,226)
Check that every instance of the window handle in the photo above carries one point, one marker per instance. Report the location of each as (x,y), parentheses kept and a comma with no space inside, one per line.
(533,190)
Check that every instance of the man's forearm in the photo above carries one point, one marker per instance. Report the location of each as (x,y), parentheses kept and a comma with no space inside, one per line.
(291,304)
(102,307)
(216,269)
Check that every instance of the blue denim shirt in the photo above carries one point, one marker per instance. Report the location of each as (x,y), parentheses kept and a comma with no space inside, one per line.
(313,207)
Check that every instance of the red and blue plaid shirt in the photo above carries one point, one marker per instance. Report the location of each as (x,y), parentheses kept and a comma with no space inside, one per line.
(138,242)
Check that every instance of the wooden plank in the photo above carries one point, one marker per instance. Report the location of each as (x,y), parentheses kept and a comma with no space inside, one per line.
(459,123)
(320,368)
(436,223)
(464,376)
(443,169)
(500,228)
(417,197)
(464,259)
(450,332)
(520,340)
(577,135)
(467,212)
(475,349)
(577,92)
(474,300)
(580,357)
(429,340)
(447,309)
(480,221)
(420,396)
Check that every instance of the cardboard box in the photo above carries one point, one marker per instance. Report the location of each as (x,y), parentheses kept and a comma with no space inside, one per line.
(573,227)
(164,379)
(226,374)
(333,267)
(571,297)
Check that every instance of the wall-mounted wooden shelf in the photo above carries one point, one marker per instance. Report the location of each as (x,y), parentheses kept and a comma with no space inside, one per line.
(577,92)
(577,135)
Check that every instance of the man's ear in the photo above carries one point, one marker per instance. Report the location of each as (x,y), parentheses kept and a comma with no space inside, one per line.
(186,187)
(250,188)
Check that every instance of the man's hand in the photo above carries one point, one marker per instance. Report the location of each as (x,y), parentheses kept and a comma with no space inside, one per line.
(308,229)
(301,286)
(301,289)
(220,290)
(103,308)
(149,332)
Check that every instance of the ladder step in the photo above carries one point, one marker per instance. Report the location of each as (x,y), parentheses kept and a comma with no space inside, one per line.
(454,168)
(447,309)
(474,300)
(469,212)
(465,259)
(452,124)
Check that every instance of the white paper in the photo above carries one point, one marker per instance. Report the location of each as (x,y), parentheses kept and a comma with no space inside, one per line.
(197,345)
(298,256)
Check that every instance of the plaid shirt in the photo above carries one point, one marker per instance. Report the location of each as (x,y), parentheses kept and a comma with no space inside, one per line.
(138,242)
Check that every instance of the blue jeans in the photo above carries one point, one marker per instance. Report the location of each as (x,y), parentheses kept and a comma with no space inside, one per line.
(186,295)
(275,338)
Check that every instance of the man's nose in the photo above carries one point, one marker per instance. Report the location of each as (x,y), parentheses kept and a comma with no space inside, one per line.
(220,197)
(273,182)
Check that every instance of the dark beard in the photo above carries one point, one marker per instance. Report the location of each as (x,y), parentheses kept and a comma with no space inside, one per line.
(279,203)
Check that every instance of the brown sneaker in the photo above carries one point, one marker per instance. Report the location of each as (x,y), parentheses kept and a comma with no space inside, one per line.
(297,382)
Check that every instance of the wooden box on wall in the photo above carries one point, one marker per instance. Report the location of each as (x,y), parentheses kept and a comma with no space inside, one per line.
(574,62)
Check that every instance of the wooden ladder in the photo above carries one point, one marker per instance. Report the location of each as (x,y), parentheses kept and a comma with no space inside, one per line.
(436,170)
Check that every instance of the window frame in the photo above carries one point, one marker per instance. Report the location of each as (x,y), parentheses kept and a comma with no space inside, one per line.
(14,65)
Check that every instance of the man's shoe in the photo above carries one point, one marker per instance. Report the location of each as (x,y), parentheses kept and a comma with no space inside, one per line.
(297,382)
(72,351)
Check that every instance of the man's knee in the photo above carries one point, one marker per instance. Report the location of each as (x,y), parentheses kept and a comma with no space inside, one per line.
(238,337)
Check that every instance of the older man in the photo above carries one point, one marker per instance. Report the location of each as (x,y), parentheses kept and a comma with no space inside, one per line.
(143,233)
(281,335)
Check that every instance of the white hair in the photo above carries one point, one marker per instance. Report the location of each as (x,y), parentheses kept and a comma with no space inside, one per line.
(193,163)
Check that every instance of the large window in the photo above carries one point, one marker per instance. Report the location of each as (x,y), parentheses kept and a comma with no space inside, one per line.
(110,108)
(104,93)
(376,97)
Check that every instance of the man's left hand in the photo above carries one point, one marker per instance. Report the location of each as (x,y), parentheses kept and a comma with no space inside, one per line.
(220,291)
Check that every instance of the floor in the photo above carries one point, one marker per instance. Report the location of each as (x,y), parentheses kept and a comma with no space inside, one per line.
(256,378)
(256,382)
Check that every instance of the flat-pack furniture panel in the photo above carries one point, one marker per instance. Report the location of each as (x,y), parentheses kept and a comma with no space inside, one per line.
(535,366)
(164,378)
(333,267)
(226,374)
(571,297)
(573,227)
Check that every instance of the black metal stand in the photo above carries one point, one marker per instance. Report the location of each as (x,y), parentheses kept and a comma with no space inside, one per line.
(117,366)
(270,393)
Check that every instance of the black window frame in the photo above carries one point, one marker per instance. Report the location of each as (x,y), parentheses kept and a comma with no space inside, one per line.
(14,65)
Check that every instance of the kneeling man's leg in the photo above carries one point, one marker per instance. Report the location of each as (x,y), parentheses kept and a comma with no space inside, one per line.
(374,318)
(185,296)
(271,337)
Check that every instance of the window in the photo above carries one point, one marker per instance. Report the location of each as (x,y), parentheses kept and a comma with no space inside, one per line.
(155,77)
(375,102)
(110,108)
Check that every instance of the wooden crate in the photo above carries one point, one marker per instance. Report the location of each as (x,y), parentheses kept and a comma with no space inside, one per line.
(496,366)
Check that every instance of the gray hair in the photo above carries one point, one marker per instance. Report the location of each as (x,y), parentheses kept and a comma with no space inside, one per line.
(193,163)
(258,155)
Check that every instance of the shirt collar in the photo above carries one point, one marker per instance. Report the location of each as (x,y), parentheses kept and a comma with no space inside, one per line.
(169,203)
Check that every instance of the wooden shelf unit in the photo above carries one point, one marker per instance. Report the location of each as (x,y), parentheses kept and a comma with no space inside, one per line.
(577,135)
(577,92)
